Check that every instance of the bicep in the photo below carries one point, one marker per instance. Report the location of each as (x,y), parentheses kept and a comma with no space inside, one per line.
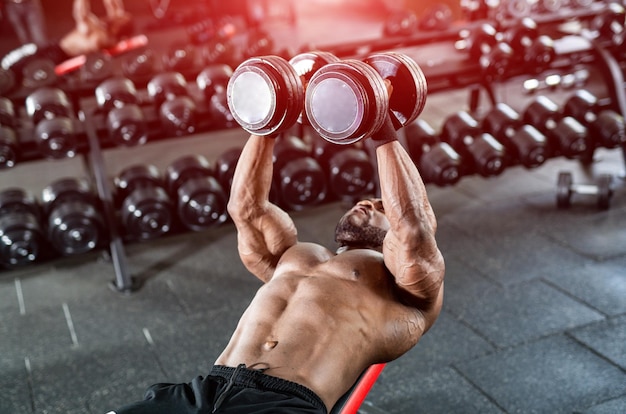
(263,239)
(417,266)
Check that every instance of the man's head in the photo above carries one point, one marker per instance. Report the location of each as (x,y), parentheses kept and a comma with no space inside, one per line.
(363,226)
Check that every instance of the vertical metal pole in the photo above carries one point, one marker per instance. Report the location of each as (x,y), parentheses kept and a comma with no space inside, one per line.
(123,281)
(618,86)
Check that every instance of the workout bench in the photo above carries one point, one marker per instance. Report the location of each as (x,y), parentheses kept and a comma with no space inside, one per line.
(350,402)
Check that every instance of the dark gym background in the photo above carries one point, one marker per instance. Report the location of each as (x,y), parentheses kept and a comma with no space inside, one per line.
(534,318)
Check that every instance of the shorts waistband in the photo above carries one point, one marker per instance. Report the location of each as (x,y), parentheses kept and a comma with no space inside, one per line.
(255,378)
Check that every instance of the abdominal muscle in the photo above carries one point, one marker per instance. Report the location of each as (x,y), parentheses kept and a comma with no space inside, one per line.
(319,331)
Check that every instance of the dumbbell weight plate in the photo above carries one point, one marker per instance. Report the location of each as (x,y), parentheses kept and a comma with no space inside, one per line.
(610,129)
(180,58)
(97,67)
(166,86)
(605,191)
(212,77)
(437,17)
(564,189)
(135,177)
(75,227)
(201,203)
(8,147)
(47,102)
(302,184)
(7,113)
(184,169)
(16,199)
(127,126)
(441,165)
(146,213)
(346,101)
(178,116)
(56,138)
(401,23)
(20,239)
(225,167)
(39,73)
(7,81)
(306,64)
(409,85)
(265,95)
(116,92)
(139,65)
(351,173)
(518,8)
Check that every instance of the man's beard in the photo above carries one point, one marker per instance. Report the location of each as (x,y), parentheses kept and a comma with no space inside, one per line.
(364,235)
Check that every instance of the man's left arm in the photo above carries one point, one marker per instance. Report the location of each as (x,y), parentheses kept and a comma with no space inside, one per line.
(410,250)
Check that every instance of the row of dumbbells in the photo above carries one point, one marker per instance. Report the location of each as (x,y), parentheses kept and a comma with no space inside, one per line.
(524,47)
(504,137)
(139,65)
(514,9)
(68,219)
(190,195)
(51,123)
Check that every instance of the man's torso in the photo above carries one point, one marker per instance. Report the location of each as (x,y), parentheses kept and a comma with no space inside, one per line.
(322,319)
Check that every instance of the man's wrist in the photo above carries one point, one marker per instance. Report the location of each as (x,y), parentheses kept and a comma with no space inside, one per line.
(385,134)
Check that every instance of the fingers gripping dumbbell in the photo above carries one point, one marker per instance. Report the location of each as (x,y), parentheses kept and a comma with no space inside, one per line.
(523,143)
(51,114)
(146,208)
(602,190)
(437,161)
(480,152)
(566,136)
(201,201)
(298,178)
(177,111)
(606,126)
(265,95)
(125,121)
(347,101)
(73,219)
(9,146)
(21,236)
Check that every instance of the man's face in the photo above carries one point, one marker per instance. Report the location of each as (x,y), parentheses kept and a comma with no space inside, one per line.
(364,225)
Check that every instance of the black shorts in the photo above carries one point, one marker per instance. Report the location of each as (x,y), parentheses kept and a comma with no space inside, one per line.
(229,390)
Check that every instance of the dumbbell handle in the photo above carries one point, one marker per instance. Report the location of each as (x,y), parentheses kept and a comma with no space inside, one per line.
(585,189)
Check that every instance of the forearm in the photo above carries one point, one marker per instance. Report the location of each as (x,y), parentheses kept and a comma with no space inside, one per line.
(253,177)
(402,189)
(265,231)
(410,250)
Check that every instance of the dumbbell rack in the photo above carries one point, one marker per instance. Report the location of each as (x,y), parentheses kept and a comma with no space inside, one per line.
(462,74)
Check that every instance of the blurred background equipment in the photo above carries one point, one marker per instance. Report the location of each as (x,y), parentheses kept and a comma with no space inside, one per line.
(72,214)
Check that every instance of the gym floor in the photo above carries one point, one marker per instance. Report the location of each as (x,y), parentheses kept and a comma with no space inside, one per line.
(534,317)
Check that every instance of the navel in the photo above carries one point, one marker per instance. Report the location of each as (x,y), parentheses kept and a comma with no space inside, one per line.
(269,345)
(356,273)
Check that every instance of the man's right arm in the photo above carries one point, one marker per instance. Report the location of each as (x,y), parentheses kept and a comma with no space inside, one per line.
(264,231)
